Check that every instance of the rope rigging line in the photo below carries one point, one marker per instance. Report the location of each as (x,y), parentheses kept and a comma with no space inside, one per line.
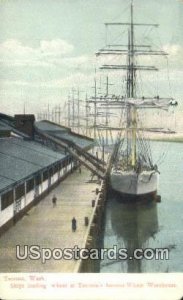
(145,144)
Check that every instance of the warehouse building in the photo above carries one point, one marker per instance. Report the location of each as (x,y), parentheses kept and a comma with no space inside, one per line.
(29,167)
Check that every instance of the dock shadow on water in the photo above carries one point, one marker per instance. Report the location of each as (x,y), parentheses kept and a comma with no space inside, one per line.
(128,226)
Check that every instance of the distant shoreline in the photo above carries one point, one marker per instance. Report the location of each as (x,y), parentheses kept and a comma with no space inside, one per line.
(172,139)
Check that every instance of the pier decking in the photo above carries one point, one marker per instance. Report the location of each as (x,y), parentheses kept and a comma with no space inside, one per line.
(50,227)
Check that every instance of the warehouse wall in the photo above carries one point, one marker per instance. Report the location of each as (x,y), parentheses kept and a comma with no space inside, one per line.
(10,214)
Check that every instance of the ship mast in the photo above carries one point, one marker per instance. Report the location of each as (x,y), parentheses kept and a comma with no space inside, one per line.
(131,54)
(132,111)
(131,102)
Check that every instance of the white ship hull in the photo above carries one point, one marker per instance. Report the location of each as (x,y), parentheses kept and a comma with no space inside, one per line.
(133,184)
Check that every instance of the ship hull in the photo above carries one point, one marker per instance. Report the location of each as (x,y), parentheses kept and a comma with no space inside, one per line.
(132,186)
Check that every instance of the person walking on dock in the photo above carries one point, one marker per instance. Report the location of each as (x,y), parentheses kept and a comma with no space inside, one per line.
(74,226)
(54,200)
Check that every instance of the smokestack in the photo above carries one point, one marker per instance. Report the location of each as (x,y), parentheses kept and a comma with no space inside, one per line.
(25,124)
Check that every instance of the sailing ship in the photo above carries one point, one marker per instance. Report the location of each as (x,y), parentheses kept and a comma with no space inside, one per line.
(133,173)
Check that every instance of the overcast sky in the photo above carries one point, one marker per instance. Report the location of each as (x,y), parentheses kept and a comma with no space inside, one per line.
(48,46)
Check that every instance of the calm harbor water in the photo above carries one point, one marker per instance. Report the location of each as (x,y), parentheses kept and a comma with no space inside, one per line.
(150,225)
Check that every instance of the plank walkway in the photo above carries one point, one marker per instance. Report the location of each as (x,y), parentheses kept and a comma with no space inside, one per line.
(50,227)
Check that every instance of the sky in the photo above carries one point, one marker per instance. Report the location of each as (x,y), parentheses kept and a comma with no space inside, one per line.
(48,46)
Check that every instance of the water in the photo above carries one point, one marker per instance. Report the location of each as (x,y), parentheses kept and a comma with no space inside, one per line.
(150,225)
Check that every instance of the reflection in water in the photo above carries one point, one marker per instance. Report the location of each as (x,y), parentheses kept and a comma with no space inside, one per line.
(126,226)
(131,225)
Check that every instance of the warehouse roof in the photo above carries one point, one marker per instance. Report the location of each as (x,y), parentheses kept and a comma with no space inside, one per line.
(20,158)
(65,133)
(82,142)
(4,126)
(50,126)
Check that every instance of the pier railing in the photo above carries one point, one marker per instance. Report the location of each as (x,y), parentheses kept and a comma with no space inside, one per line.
(93,229)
